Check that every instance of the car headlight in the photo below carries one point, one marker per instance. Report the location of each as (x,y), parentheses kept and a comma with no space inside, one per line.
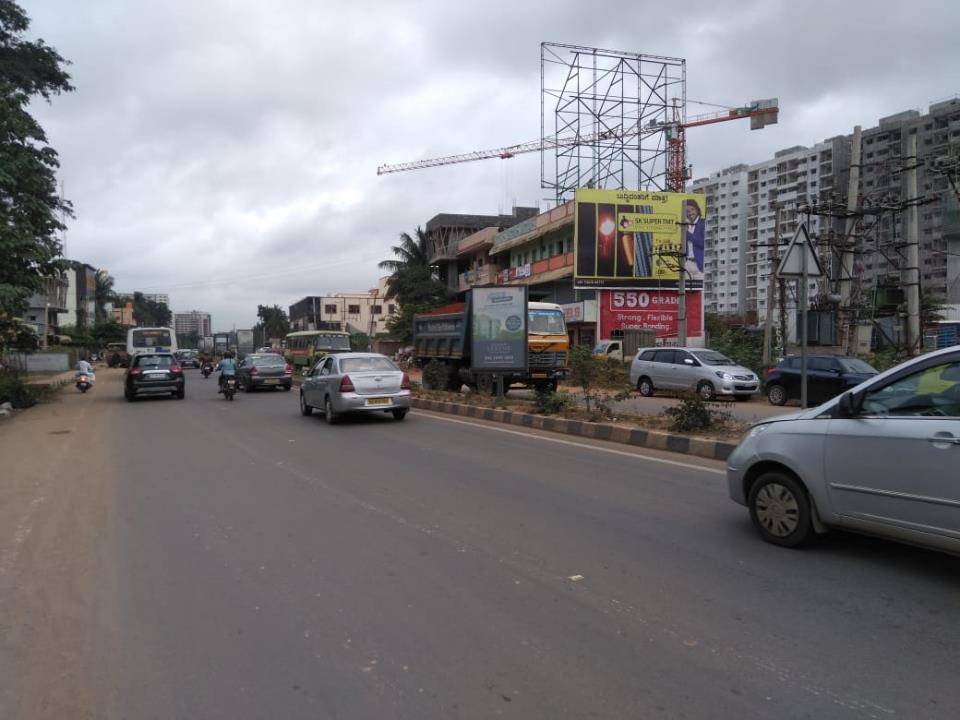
(724,375)
(756,431)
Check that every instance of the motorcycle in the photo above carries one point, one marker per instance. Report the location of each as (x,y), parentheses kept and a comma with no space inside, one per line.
(83,383)
(206,370)
(229,387)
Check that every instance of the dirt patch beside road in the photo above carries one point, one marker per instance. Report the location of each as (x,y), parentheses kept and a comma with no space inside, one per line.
(57,492)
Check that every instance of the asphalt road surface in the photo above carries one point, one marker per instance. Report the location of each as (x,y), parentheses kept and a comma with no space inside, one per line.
(206,559)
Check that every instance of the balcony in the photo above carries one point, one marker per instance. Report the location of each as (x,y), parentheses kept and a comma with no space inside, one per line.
(481,276)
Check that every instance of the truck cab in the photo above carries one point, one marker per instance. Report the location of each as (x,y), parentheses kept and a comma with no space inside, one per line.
(609,350)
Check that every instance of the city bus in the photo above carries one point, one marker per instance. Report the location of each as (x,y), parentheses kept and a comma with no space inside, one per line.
(155,339)
(306,346)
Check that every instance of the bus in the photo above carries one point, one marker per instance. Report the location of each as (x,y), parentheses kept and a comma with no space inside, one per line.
(306,346)
(156,339)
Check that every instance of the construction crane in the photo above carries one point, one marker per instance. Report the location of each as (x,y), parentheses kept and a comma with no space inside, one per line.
(761,113)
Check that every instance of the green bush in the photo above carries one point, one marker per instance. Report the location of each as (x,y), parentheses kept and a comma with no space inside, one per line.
(551,403)
(693,414)
(14,391)
(585,371)
(435,376)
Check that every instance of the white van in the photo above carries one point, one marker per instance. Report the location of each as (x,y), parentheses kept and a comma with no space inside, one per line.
(147,340)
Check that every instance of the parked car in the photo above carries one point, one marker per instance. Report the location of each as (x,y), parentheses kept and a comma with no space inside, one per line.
(116,354)
(827,377)
(880,459)
(154,374)
(355,382)
(264,370)
(708,373)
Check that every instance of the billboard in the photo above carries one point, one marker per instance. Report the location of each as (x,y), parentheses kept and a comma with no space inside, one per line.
(638,239)
(648,310)
(498,325)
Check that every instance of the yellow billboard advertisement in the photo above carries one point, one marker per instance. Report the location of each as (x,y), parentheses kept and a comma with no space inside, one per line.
(638,239)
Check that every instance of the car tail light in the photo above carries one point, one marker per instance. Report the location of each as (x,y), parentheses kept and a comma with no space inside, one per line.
(254,371)
(770,371)
(176,369)
(288,369)
(135,371)
(405,383)
(346,385)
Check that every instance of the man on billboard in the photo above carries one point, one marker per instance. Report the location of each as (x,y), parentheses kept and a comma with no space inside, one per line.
(695,230)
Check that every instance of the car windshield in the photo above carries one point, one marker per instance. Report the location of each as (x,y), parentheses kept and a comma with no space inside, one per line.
(154,361)
(367,364)
(601,347)
(547,321)
(712,357)
(266,361)
(858,366)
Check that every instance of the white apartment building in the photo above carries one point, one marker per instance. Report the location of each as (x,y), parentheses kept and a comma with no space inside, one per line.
(725,252)
(185,323)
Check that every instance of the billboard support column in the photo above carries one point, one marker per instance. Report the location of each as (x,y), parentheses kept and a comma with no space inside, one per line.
(682,309)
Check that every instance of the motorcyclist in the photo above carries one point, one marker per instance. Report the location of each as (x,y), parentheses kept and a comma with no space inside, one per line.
(227,367)
(84,368)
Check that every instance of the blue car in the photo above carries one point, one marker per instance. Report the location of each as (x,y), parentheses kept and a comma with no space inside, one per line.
(827,377)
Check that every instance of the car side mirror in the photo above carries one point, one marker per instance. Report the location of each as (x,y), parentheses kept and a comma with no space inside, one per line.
(848,405)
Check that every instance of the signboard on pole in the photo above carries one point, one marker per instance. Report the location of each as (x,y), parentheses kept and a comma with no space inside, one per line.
(498,332)
(638,239)
(792,264)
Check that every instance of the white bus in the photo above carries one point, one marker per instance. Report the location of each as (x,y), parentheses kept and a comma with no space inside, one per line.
(158,339)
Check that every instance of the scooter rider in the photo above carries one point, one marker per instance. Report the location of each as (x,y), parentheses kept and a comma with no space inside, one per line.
(84,368)
(227,367)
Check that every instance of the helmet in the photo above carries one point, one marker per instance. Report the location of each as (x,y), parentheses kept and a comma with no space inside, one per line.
(228,354)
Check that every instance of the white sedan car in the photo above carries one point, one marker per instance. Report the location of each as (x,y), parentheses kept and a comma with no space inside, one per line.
(354,383)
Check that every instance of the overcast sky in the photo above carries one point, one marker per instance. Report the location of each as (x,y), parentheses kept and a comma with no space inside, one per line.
(225,151)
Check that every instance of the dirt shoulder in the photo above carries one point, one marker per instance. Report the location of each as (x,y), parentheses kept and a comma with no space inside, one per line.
(57,492)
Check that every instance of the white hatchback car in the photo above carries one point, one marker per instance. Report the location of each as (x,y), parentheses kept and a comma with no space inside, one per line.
(883,459)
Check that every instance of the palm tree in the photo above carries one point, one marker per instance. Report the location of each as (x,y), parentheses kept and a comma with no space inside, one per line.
(412,258)
(103,294)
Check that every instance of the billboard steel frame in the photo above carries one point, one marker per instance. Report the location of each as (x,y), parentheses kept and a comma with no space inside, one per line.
(622,107)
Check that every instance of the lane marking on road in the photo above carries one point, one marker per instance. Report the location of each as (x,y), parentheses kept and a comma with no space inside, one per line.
(585,446)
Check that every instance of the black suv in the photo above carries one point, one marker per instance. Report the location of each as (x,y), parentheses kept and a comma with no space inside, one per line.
(827,377)
(154,374)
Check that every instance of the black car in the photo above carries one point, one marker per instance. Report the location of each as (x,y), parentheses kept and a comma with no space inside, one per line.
(154,374)
(266,370)
(188,358)
(827,377)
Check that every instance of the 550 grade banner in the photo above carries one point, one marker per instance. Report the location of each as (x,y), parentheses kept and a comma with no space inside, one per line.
(499,329)
(638,239)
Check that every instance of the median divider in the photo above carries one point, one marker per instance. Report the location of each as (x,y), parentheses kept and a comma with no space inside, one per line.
(654,439)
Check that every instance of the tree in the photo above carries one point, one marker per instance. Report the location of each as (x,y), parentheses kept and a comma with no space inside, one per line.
(30,207)
(103,295)
(412,282)
(274,322)
(149,313)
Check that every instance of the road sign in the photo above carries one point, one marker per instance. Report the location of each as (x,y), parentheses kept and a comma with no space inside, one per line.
(792,264)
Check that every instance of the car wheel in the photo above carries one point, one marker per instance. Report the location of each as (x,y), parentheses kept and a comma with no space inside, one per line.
(128,395)
(304,408)
(706,391)
(181,393)
(780,509)
(486,385)
(286,388)
(777,395)
(329,413)
(645,387)
(399,413)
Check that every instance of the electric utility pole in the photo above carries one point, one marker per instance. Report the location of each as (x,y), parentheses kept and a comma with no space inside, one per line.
(847,315)
(911,270)
(772,289)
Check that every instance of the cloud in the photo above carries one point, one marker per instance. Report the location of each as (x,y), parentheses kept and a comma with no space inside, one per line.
(227,151)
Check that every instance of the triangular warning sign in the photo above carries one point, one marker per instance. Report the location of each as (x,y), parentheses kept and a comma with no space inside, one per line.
(792,263)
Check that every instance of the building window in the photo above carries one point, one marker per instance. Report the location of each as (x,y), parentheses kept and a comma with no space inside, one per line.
(329,309)
(391,308)
(353,309)
(376,310)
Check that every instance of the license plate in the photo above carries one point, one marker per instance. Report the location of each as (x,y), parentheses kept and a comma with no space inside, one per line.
(271,381)
(378,401)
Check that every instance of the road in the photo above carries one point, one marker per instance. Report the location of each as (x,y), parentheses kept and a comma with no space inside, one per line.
(205,559)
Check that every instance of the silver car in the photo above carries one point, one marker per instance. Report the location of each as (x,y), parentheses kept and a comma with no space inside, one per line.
(882,459)
(708,373)
(355,382)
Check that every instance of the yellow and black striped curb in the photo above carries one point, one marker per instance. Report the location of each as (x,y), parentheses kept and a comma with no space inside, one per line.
(655,439)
